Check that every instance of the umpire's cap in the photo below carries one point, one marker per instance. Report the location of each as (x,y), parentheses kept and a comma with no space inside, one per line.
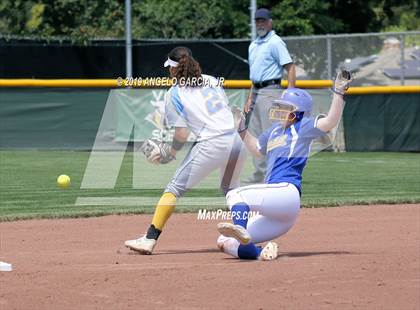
(263,14)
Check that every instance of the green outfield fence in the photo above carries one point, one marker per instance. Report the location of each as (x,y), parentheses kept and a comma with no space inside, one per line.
(65,114)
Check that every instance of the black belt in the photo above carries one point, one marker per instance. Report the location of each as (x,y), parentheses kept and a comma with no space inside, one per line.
(266,83)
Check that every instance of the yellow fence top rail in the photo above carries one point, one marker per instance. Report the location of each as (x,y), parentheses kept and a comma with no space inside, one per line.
(144,83)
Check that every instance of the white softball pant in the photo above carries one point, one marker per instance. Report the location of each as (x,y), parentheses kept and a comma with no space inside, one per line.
(278,206)
(225,153)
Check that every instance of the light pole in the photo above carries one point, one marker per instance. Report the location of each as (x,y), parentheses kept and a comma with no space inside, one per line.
(252,9)
(128,42)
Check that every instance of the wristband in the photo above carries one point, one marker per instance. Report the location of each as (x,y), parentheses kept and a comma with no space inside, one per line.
(337,92)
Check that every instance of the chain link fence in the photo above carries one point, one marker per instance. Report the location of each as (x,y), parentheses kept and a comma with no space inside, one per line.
(391,58)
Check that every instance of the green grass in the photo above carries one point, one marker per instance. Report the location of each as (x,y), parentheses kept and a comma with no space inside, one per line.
(28,183)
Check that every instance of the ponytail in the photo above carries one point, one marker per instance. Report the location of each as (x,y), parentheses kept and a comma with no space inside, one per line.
(188,68)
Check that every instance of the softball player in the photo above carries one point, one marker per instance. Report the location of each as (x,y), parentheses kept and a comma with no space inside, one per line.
(286,145)
(199,104)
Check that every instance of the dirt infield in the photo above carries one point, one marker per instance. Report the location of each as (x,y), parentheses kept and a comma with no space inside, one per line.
(360,257)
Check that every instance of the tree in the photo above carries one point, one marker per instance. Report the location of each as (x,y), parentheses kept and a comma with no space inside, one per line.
(74,18)
(83,20)
(401,15)
(303,17)
(191,19)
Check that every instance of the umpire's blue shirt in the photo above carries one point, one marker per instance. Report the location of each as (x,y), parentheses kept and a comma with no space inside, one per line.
(267,56)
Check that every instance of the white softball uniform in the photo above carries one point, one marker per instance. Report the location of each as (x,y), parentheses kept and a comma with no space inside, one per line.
(205,111)
(278,206)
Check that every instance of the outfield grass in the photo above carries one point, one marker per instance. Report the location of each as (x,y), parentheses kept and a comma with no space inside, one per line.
(28,188)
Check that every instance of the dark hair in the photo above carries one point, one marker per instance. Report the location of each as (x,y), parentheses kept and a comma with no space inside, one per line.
(187,67)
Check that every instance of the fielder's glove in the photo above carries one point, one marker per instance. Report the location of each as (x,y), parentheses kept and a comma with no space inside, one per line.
(239,119)
(157,152)
(342,82)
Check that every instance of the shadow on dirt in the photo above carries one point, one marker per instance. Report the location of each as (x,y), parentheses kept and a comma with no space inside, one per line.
(305,254)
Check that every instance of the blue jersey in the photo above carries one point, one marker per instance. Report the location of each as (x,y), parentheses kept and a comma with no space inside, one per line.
(288,149)
(267,56)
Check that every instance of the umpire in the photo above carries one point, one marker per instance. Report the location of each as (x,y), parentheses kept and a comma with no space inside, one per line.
(267,57)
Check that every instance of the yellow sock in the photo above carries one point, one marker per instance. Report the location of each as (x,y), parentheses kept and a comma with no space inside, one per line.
(164,209)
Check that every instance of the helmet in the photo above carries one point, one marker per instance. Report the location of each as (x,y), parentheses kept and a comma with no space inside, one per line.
(293,101)
(299,98)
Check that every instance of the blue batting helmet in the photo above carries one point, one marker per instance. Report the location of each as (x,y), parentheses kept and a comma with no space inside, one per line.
(298,98)
(294,102)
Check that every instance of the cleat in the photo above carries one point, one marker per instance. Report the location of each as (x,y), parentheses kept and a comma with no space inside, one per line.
(234,231)
(141,245)
(269,252)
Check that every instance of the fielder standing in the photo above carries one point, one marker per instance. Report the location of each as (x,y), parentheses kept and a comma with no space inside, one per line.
(268,57)
(198,104)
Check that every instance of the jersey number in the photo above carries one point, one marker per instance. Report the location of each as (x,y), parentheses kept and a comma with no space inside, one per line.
(214,101)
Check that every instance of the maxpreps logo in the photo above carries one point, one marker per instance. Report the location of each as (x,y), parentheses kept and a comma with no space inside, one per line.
(223,215)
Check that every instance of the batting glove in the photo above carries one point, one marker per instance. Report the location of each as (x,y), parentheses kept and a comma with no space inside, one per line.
(239,119)
(342,82)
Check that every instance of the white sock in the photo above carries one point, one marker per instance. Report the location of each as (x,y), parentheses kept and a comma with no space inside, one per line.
(230,245)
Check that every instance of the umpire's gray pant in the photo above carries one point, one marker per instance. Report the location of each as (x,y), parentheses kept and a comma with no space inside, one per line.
(262,100)
(225,153)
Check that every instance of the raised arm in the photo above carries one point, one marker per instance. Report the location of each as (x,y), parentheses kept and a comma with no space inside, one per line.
(341,84)
(250,141)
